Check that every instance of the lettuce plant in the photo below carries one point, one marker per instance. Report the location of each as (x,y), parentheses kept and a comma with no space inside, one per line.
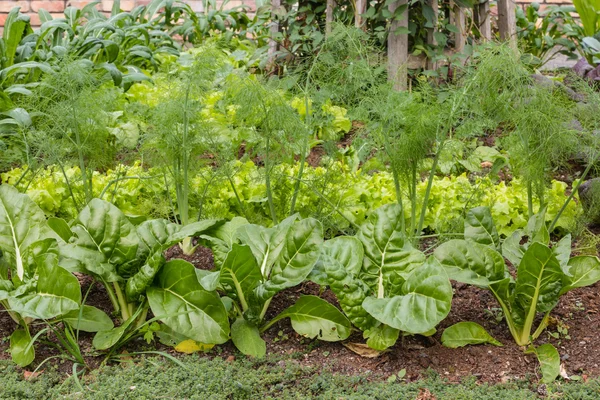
(259,263)
(384,285)
(33,283)
(543,272)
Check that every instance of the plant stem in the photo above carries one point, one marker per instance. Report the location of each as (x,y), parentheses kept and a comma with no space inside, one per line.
(529,199)
(125,309)
(429,186)
(112,296)
(399,196)
(268,184)
(264,309)
(237,196)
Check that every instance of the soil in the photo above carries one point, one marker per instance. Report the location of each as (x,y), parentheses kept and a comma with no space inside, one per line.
(578,312)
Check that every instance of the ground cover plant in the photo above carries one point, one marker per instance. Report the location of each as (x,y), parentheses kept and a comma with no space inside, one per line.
(160,199)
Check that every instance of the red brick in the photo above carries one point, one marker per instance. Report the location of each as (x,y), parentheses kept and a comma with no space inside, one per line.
(6,6)
(50,6)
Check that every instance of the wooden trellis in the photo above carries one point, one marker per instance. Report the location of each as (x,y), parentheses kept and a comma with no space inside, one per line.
(399,60)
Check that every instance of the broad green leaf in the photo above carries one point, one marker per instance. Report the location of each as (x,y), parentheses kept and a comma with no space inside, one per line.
(538,284)
(346,250)
(480,227)
(425,301)
(192,230)
(223,237)
(314,317)
(466,333)
(549,361)
(562,252)
(512,249)
(6,287)
(240,274)
(154,234)
(104,242)
(246,337)
(266,243)
(137,284)
(21,348)
(583,271)
(104,340)
(386,248)
(381,337)
(208,279)
(180,302)
(90,319)
(22,223)
(57,292)
(471,263)
(61,228)
(536,228)
(349,290)
(297,258)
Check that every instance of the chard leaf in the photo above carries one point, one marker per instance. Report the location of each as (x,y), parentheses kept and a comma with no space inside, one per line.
(583,271)
(137,284)
(21,348)
(538,284)
(549,361)
(381,337)
(471,263)
(90,320)
(512,249)
(57,292)
(313,317)
(246,337)
(153,235)
(22,223)
(480,227)
(181,303)
(349,290)
(346,250)
(466,333)
(296,259)
(266,243)
(223,237)
(562,252)
(105,243)
(386,248)
(240,274)
(61,228)
(425,301)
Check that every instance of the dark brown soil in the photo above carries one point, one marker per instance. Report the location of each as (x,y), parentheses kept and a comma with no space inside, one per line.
(578,312)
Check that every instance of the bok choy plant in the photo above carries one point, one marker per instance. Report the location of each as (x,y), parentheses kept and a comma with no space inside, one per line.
(259,263)
(385,286)
(543,274)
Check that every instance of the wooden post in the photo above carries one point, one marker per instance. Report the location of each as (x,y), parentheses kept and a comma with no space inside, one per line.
(481,15)
(329,16)
(361,8)
(274,30)
(431,64)
(398,48)
(458,20)
(507,22)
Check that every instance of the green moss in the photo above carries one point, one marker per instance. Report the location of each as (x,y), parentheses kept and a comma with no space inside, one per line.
(242,379)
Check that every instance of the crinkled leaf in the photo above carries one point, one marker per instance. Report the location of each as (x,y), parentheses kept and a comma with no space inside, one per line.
(386,248)
(90,319)
(314,317)
(471,263)
(180,302)
(480,227)
(137,284)
(154,234)
(346,250)
(246,337)
(223,237)
(467,333)
(425,301)
(104,241)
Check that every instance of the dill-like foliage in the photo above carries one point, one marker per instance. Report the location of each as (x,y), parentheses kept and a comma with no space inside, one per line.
(70,114)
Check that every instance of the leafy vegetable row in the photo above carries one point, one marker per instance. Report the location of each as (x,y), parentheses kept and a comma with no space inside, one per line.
(385,287)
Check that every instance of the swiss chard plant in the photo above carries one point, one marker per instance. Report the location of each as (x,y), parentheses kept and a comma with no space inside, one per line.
(261,262)
(128,260)
(544,272)
(33,283)
(385,286)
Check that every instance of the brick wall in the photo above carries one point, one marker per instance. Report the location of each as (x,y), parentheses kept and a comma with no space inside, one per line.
(56,7)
